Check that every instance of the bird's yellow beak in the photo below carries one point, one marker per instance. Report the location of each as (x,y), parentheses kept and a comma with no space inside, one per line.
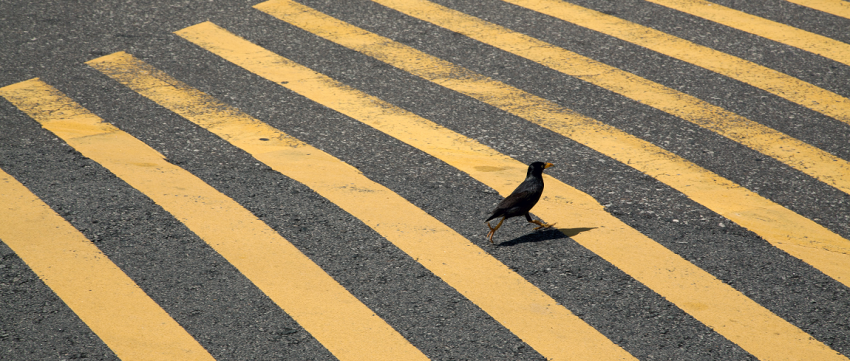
(547,165)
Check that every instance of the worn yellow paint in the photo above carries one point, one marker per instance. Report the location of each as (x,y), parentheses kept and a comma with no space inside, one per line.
(687,107)
(799,155)
(528,312)
(344,325)
(695,291)
(128,321)
(778,225)
(768,29)
(835,7)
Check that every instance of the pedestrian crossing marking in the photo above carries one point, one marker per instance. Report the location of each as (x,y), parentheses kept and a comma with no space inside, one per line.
(128,321)
(698,293)
(794,153)
(784,229)
(835,7)
(775,82)
(768,29)
(411,135)
(521,307)
(345,326)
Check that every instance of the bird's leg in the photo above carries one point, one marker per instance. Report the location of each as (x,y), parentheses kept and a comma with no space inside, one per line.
(539,223)
(493,230)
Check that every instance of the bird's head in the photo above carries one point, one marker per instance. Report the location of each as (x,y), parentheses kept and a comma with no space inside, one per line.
(537,168)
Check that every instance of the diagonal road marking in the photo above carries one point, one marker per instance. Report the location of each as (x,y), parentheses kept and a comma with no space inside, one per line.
(772,81)
(794,153)
(768,29)
(698,293)
(835,7)
(521,307)
(345,326)
(128,321)
(786,230)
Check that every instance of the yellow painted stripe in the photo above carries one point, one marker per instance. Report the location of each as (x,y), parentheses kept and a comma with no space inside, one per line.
(778,32)
(528,312)
(709,300)
(835,7)
(781,227)
(801,156)
(322,306)
(109,302)
(687,107)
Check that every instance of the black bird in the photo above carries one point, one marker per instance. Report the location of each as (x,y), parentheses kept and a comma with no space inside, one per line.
(520,202)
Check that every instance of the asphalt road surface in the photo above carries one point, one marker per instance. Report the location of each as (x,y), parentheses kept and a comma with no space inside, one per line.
(246,180)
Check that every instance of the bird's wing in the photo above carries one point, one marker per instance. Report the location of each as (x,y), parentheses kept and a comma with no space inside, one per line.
(513,200)
(516,199)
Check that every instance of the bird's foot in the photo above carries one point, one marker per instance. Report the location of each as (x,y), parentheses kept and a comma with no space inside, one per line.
(491,233)
(542,225)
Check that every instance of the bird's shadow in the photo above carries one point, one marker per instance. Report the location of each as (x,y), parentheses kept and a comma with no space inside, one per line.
(545,235)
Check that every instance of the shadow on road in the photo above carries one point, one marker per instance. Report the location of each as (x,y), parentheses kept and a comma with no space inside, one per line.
(545,235)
